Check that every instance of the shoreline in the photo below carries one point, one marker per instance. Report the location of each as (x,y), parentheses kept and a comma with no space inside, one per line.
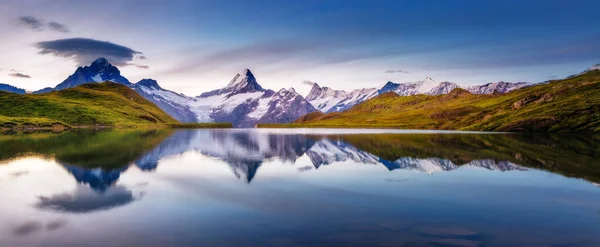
(62,127)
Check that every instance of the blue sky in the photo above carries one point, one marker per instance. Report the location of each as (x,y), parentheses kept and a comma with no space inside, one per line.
(195,46)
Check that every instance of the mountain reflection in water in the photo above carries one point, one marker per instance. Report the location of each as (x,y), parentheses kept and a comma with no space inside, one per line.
(98,158)
(260,187)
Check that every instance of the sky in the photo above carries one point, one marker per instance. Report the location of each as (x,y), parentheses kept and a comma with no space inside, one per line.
(198,45)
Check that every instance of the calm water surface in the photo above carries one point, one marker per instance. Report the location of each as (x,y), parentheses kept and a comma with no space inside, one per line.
(298,188)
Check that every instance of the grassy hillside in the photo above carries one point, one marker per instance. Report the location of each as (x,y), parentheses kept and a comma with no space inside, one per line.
(96,104)
(570,105)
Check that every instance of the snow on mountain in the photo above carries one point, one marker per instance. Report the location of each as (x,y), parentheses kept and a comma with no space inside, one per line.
(328,100)
(99,71)
(443,88)
(244,103)
(322,97)
(402,89)
(426,85)
(174,104)
(500,87)
(11,89)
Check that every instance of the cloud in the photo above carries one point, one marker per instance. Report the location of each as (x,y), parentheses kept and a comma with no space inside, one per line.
(142,57)
(142,66)
(397,71)
(84,51)
(39,25)
(31,23)
(58,27)
(30,227)
(310,83)
(19,75)
(27,228)
(55,224)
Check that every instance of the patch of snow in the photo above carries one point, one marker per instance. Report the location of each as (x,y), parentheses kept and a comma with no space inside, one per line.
(97,78)
(261,109)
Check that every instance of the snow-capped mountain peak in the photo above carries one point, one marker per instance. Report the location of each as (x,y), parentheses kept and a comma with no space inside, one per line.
(149,83)
(243,82)
(100,62)
(99,71)
(426,85)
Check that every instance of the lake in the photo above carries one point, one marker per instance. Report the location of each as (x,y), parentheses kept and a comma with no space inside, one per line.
(303,187)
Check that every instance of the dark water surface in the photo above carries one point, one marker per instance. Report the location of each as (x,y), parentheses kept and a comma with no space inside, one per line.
(298,188)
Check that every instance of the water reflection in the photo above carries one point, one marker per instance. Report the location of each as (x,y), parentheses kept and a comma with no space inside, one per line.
(97,159)
(85,200)
(197,187)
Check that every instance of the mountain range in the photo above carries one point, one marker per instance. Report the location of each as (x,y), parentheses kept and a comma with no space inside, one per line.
(245,103)
(568,105)
(329,100)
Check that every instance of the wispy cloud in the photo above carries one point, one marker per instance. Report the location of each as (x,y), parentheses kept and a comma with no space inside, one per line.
(17,74)
(58,27)
(139,66)
(36,24)
(392,71)
(31,23)
(84,51)
(310,83)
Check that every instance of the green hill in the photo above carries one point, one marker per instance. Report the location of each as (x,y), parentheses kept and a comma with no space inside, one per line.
(569,105)
(105,104)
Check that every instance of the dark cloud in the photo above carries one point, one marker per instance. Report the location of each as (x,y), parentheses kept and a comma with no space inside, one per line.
(39,25)
(397,71)
(27,228)
(31,23)
(86,200)
(19,75)
(85,51)
(58,27)
(142,66)
(55,224)
(142,57)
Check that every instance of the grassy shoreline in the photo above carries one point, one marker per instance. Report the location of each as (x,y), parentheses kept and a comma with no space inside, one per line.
(27,125)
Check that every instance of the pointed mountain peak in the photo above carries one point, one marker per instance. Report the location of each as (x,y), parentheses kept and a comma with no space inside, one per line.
(101,61)
(247,72)
(389,86)
(243,82)
(389,83)
(149,83)
(315,92)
